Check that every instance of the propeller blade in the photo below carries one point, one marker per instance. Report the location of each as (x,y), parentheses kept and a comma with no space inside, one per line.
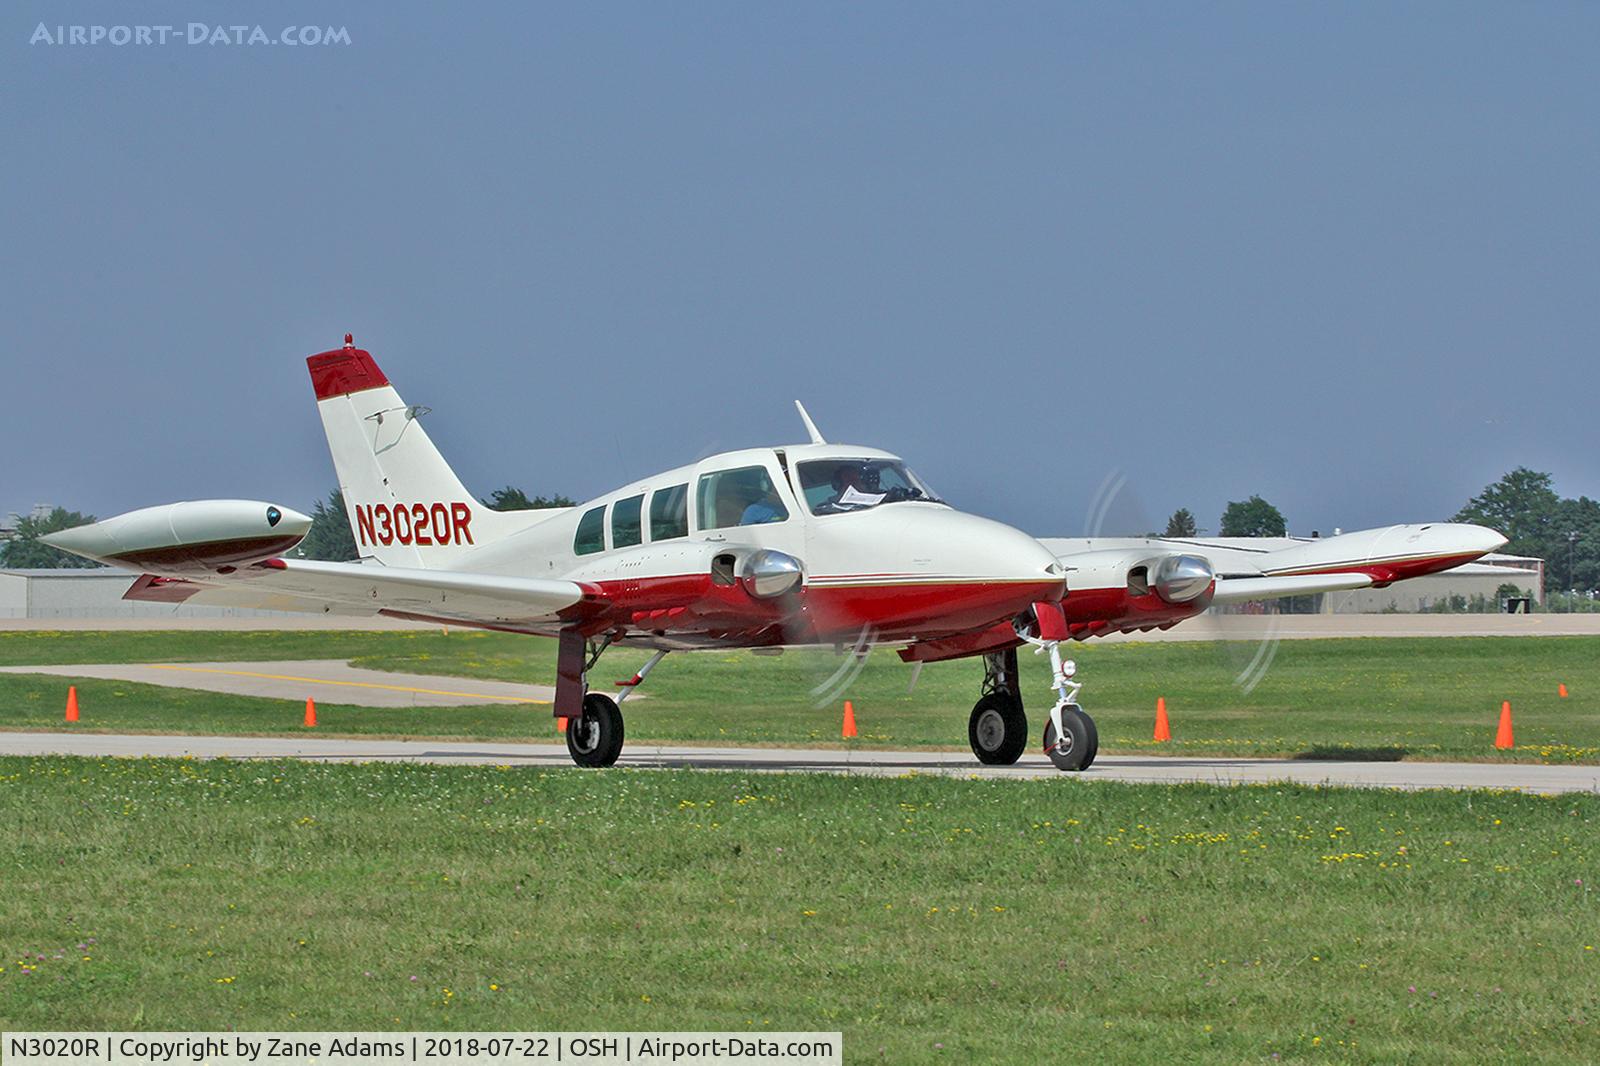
(916,673)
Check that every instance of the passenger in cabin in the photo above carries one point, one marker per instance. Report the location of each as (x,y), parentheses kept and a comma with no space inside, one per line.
(766,509)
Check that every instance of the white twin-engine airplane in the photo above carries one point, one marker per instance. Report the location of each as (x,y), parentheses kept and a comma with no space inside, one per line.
(810,544)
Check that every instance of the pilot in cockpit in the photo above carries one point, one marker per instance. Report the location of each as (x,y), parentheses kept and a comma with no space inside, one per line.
(854,485)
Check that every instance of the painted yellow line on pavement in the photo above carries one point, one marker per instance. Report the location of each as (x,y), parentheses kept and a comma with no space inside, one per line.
(347,684)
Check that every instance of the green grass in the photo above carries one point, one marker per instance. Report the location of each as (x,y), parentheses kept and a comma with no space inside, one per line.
(1427,698)
(1004,920)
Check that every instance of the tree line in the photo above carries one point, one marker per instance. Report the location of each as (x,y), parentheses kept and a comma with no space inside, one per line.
(1254,517)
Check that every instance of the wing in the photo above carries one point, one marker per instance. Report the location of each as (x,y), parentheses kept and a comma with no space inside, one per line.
(533,604)
(1264,568)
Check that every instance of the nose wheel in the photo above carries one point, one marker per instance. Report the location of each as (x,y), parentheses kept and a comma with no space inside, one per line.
(1074,744)
(1070,738)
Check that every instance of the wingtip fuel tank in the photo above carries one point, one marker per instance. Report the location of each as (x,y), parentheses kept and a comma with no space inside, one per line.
(192,537)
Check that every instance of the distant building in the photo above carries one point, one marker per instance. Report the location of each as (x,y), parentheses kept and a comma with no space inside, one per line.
(93,593)
(1477,582)
(1520,564)
(1470,585)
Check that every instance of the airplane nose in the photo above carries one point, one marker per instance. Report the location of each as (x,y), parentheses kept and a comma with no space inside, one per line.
(1009,554)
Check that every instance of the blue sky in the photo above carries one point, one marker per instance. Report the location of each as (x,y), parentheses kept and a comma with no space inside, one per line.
(1344,256)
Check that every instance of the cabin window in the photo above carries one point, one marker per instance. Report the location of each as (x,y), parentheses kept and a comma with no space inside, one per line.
(742,497)
(591,536)
(626,527)
(669,513)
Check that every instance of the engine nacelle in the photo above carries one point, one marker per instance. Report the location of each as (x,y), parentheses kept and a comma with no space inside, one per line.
(1123,589)
(190,538)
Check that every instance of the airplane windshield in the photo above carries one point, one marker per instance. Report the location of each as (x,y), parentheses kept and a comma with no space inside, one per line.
(834,486)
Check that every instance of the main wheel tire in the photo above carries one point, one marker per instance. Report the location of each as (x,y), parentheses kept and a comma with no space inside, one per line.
(596,738)
(998,729)
(1081,744)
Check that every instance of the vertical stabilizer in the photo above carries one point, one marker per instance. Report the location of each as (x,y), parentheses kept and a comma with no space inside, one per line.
(406,506)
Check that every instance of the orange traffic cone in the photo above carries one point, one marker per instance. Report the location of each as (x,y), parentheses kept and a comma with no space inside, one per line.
(1561,690)
(561,725)
(311,713)
(849,720)
(1163,730)
(1502,736)
(72,703)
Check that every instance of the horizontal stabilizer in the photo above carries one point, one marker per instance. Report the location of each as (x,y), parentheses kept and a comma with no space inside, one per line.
(364,589)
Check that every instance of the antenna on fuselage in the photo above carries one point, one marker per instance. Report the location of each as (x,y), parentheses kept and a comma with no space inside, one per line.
(811,427)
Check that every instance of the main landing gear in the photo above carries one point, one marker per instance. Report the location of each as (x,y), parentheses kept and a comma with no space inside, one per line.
(998,728)
(595,731)
(595,738)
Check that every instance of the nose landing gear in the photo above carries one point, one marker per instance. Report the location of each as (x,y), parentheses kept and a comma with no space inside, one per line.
(1074,745)
(1070,737)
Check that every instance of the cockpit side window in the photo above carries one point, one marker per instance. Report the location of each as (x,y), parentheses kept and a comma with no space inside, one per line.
(591,535)
(742,497)
(669,513)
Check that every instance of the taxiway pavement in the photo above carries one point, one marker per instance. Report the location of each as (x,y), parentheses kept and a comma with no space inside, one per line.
(329,680)
(1169,770)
